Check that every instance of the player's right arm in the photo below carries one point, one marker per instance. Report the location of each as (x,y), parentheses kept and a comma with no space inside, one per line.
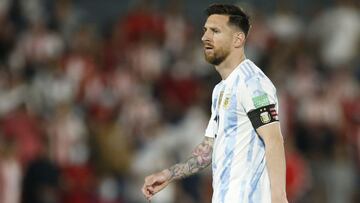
(200,159)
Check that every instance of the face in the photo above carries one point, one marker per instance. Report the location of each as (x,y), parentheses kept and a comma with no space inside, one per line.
(217,39)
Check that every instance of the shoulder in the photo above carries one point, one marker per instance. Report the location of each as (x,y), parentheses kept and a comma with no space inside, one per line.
(251,75)
(217,87)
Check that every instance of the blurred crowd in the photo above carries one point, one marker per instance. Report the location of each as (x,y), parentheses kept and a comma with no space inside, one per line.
(87,111)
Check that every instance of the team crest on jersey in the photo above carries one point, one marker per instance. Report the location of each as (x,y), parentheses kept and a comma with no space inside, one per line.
(226,102)
(265,117)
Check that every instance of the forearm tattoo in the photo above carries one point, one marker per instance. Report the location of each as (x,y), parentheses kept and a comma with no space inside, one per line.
(200,159)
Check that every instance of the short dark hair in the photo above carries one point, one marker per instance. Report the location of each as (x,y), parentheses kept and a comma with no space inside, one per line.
(237,17)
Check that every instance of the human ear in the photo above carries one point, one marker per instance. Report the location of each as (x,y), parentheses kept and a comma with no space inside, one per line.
(239,39)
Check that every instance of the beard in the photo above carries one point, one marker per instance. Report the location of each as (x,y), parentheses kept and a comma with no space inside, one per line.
(215,57)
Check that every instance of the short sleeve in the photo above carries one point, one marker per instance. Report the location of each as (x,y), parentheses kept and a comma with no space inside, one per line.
(212,126)
(257,92)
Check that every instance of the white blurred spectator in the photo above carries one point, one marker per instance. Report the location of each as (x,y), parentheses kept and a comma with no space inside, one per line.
(50,88)
(338,31)
(124,83)
(37,45)
(286,26)
(10,173)
(147,58)
(139,113)
(67,137)
(304,80)
(12,92)
(320,110)
(176,28)
(343,86)
(108,190)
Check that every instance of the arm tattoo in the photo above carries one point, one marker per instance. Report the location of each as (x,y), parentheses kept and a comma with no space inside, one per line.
(200,159)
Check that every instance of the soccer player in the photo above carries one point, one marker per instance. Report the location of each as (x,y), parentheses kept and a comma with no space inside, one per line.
(243,140)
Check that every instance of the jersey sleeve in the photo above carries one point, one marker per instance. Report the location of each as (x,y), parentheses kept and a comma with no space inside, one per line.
(257,92)
(211,127)
(259,100)
(213,121)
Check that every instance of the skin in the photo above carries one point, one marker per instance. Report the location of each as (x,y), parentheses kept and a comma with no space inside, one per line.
(200,159)
(275,160)
(223,41)
(224,48)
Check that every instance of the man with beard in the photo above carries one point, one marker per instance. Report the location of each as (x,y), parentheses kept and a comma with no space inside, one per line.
(243,140)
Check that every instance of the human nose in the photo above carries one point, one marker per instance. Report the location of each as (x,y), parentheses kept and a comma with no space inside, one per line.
(205,37)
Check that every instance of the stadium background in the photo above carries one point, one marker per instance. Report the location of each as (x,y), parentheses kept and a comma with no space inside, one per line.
(94,95)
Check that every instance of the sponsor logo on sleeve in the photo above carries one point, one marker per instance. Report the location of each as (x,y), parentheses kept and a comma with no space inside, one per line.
(260,101)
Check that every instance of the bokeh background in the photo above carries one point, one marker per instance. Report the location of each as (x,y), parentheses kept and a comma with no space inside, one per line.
(95,95)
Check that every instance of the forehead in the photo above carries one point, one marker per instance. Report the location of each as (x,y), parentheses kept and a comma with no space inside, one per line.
(216,20)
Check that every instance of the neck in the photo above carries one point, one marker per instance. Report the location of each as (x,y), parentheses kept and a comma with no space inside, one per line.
(229,64)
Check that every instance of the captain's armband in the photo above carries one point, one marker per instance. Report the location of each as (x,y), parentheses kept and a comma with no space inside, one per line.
(263,115)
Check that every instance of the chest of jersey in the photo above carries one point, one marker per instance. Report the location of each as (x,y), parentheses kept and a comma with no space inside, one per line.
(230,113)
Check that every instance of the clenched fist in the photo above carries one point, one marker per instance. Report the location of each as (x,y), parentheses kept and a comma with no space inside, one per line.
(155,182)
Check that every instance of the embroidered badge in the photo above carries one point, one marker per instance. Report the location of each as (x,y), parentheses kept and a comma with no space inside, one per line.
(227,102)
(265,117)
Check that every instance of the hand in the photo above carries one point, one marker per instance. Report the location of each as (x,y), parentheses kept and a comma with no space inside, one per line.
(155,182)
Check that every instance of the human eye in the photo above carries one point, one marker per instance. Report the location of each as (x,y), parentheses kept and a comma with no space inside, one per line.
(215,30)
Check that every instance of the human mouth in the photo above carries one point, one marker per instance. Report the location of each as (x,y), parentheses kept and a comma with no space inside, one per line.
(208,47)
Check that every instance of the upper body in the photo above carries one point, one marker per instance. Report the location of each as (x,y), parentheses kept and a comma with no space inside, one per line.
(243,140)
(238,157)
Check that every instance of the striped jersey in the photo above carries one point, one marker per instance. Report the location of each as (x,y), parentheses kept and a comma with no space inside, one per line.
(238,162)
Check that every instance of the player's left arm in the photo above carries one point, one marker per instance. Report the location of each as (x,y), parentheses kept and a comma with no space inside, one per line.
(275,160)
(258,98)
